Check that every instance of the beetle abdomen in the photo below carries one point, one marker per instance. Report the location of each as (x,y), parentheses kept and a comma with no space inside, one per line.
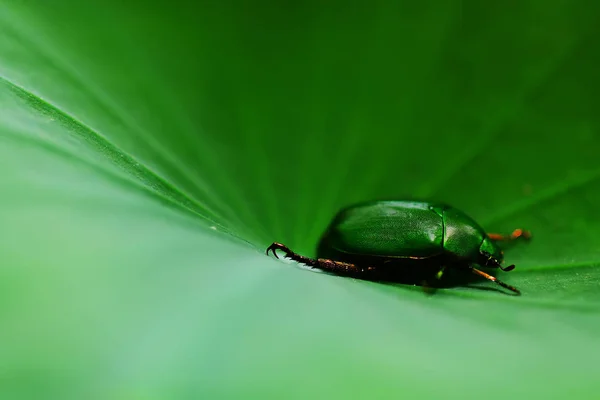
(388,229)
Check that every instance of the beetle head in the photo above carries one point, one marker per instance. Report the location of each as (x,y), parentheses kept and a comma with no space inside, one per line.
(491,255)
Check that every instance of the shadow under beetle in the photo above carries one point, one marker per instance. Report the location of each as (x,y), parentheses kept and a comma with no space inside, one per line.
(405,241)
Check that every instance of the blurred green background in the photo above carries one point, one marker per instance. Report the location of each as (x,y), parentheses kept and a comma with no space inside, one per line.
(150,151)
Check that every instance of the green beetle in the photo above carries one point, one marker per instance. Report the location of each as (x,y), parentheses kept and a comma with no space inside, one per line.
(405,241)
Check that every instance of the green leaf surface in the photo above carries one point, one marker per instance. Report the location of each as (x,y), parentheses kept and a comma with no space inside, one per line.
(151,151)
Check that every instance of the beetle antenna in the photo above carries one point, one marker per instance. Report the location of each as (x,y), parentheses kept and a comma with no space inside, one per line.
(495,263)
(494,279)
(506,269)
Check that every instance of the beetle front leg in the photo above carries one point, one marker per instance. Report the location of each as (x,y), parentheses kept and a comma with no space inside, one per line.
(336,267)
(495,280)
(516,234)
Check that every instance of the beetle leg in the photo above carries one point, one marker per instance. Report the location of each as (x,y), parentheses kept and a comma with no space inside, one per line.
(290,254)
(336,267)
(440,273)
(429,289)
(517,233)
(494,279)
(342,268)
